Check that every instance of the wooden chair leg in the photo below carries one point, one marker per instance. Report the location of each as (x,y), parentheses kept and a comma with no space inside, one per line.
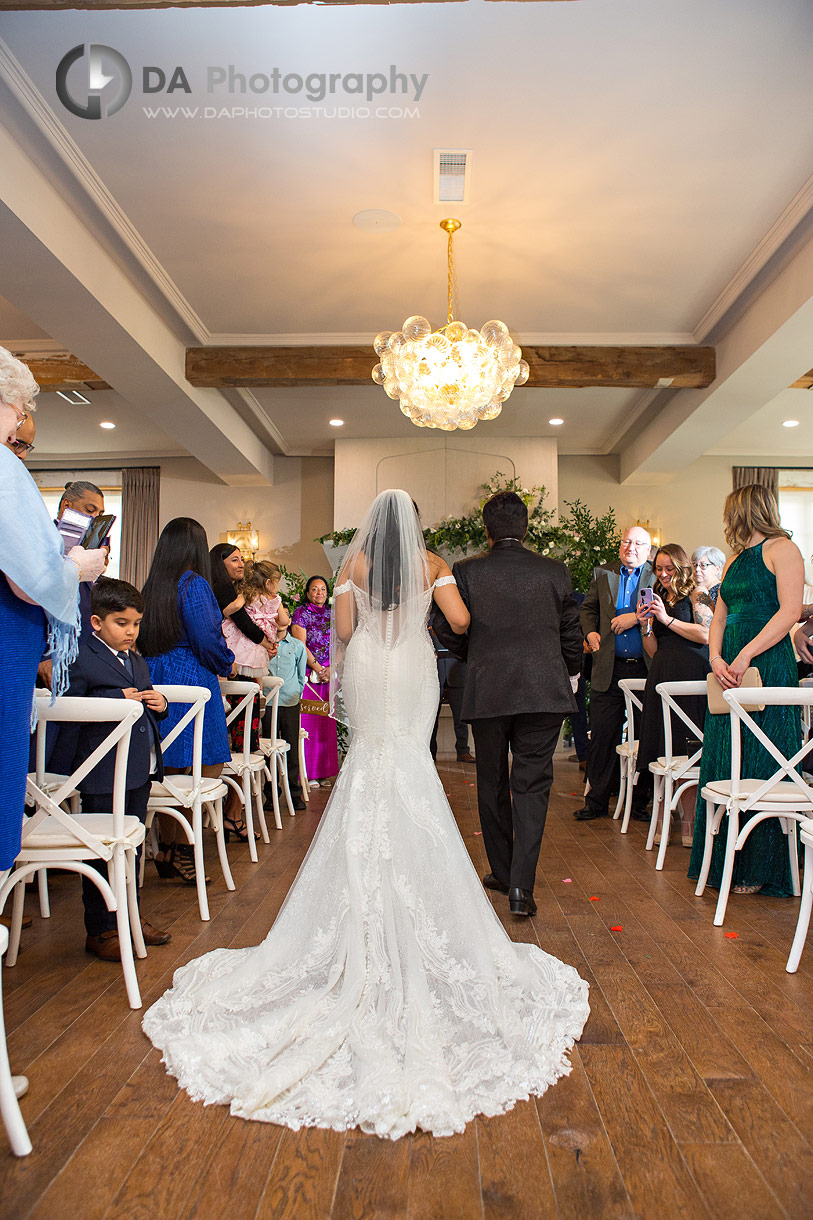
(803,922)
(42,886)
(216,820)
(119,886)
(711,813)
(282,765)
(728,865)
(9,1106)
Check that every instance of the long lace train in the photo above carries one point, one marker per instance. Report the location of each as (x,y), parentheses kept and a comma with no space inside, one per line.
(387,995)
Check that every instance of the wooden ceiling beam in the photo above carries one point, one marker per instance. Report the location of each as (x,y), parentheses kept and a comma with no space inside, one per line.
(60,371)
(673,367)
(804,383)
(12,5)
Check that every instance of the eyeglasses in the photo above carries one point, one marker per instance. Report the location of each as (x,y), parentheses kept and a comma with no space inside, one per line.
(636,545)
(705,565)
(23,448)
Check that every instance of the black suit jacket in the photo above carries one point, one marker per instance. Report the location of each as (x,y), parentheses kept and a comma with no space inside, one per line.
(98,673)
(524,640)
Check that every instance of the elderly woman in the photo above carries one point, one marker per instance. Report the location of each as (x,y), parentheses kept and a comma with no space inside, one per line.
(311,624)
(707,564)
(39,601)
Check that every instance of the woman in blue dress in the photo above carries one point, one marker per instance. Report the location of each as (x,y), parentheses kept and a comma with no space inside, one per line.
(182,643)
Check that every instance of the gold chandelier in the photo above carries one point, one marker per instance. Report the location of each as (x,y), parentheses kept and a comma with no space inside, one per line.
(452,377)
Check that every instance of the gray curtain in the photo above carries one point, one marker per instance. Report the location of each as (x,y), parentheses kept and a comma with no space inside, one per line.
(768,476)
(139,521)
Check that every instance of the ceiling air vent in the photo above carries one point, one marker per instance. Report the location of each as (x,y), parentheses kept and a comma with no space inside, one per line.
(452,175)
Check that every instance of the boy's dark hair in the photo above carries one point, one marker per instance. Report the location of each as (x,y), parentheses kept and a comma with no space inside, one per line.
(110,596)
(505,515)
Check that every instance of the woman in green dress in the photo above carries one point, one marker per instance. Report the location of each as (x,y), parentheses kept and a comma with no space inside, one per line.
(760,600)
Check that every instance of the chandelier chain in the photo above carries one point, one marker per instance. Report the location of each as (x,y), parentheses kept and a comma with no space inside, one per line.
(451,279)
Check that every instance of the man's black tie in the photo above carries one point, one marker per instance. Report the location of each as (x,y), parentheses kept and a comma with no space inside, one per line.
(126,661)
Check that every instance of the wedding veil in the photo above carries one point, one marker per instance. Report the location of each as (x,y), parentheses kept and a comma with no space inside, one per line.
(382,583)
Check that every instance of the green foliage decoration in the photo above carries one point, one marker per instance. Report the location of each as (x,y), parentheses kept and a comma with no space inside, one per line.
(580,538)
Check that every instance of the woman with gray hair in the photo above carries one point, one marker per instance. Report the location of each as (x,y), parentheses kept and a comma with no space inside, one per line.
(39,603)
(708,563)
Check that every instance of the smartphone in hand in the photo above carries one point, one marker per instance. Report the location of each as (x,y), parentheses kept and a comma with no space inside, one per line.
(646,598)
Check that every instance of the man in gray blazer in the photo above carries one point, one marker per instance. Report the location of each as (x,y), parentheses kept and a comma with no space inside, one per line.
(613,634)
(524,647)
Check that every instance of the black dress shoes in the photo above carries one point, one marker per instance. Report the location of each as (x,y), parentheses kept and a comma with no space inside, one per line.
(521,902)
(639,815)
(491,883)
(588,813)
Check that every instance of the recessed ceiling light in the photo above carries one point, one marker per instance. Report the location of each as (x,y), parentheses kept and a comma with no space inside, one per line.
(106,424)
(337,423)
(556,422)
(790,423)
(376,220)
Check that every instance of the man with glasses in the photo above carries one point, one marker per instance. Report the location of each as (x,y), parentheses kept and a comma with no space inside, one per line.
(613,635)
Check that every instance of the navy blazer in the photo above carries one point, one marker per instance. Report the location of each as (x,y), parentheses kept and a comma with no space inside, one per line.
(98,673)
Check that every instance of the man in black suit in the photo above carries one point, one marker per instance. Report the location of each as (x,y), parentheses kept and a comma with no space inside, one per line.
(613,634)
(524,658)
(108,668)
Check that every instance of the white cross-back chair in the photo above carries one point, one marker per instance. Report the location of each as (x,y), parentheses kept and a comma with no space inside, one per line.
(275,749)
(627,750)
(803,922)
(246,766)
(52,836)
(784,795)
(673,774)
(186,796)
(9,1106)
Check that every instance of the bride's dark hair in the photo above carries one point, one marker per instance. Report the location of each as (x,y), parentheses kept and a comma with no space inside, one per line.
(386,551)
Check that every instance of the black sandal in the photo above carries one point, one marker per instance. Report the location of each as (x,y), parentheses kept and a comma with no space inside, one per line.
(238,829)
(181,863)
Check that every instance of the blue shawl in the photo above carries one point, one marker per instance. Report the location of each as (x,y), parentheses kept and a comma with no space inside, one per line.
(31,555)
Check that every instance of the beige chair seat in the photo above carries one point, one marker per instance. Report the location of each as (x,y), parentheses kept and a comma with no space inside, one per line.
(785,790)
(209,787)
(51,834)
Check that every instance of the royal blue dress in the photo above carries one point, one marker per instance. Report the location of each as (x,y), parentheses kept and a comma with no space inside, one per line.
(22,643)
(196,660)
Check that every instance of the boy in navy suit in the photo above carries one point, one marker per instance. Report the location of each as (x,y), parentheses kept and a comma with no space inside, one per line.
(108,667)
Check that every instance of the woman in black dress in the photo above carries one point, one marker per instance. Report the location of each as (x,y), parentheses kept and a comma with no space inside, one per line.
(676,634)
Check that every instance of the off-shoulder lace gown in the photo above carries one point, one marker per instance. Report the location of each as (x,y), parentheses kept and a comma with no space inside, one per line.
(387,994)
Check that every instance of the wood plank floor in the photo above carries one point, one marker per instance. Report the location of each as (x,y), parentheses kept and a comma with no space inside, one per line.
(690,1093)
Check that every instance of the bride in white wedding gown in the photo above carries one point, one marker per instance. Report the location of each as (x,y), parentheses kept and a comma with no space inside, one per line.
(387,995)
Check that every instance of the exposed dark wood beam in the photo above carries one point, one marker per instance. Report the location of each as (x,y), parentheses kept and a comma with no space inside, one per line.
(674,367)
(60,371)
(130,4)
(804,383)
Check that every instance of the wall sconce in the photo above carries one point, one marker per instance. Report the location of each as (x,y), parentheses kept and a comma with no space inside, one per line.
(653,531)
(246,539)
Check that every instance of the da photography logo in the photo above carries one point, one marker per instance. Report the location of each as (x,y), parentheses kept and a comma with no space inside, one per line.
(108,85)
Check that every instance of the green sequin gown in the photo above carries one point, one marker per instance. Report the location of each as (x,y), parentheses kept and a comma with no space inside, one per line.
(749,592)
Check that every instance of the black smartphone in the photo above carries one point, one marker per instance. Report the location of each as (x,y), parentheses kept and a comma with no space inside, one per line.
(97,531)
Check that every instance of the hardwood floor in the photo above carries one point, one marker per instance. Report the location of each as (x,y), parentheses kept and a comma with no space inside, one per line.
(690,1092)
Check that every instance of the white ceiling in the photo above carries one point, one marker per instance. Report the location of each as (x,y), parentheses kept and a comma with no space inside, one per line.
(627,160)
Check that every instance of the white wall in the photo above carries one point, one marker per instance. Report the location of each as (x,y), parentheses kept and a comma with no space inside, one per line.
(687,509)
(289,515)
(441,473)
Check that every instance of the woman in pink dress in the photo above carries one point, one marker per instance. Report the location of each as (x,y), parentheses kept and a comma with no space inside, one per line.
(311,624)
